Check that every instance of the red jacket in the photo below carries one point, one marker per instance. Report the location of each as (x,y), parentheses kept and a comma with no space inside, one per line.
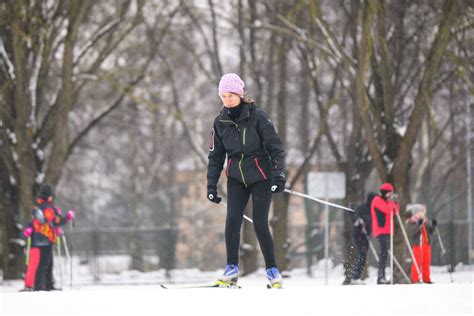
(380,210)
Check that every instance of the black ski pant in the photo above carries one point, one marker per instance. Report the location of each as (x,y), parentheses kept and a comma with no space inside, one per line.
(49,273)
(237,198)
(383,242)
(362,246)
(44,273)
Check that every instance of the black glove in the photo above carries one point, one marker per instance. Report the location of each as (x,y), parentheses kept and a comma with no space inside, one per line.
(212,196)
(420,221)
(434,223)
(278,185)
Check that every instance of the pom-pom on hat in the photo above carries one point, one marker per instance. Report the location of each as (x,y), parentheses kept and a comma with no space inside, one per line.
(231,83)
(418,210)
(388,187)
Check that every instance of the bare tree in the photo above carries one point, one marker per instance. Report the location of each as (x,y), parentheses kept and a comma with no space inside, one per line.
(390,150)
(40,91)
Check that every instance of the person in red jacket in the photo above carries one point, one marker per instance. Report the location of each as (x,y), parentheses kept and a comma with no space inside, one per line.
(381,209)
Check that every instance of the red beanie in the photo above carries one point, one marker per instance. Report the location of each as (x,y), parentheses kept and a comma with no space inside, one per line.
(386,187)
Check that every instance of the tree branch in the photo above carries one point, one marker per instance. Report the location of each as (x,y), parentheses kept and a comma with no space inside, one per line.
(422,100)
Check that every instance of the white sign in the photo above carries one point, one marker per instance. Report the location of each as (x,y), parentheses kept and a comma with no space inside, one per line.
(330,185)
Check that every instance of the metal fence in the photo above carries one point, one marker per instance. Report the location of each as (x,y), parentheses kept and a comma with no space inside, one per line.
(110,250)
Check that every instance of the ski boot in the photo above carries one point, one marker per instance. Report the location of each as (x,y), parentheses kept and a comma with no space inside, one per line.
(230,277)
(52,288)
(383,281)
(274,278)
(357,282)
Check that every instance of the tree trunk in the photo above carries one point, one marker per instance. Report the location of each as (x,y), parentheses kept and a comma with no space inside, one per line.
(13,259)
(60,116)
(171,212)
(350,252)
(281,201)
(398,148)
(403,161)
(171,237)
(18,196)
(279,224)
(304,132)
(136,243)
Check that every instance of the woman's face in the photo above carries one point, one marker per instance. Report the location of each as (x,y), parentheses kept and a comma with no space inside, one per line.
(230,100)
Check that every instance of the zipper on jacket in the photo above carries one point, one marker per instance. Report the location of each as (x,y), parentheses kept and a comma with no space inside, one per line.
(229,121)
(242,157)
(240,168)
(228,167)
(260,169)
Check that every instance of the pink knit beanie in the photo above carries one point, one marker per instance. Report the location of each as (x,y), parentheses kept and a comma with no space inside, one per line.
(231,83)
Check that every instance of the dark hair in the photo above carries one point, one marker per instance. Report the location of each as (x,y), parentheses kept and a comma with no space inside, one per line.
(246,99)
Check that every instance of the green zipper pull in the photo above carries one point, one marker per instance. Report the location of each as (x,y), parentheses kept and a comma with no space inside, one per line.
(240,168)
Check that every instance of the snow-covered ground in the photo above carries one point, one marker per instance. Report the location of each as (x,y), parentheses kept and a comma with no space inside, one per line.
(142,296)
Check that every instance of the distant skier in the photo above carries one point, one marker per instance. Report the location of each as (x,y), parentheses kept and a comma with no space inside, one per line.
(361,233)
(381,209)
(43,230)
(419,228)
(244,135)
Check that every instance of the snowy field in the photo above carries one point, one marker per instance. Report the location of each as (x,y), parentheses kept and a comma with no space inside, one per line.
(142,296)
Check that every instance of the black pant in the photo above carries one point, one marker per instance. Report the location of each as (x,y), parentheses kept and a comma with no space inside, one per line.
(362,245)
(44,273)
(383,242)
(237,198)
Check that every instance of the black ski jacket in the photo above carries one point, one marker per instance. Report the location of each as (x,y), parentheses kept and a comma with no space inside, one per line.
(254,150)
(361,216)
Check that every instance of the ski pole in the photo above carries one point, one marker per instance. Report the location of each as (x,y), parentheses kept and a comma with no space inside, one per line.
(68,258)
(306,196)
(443,250)
(371,245)
(409,247)
(391,247)
(443,253)
(245,216)
(28,248)
(58,249)
(374,252)
(73,225)
(401,269)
